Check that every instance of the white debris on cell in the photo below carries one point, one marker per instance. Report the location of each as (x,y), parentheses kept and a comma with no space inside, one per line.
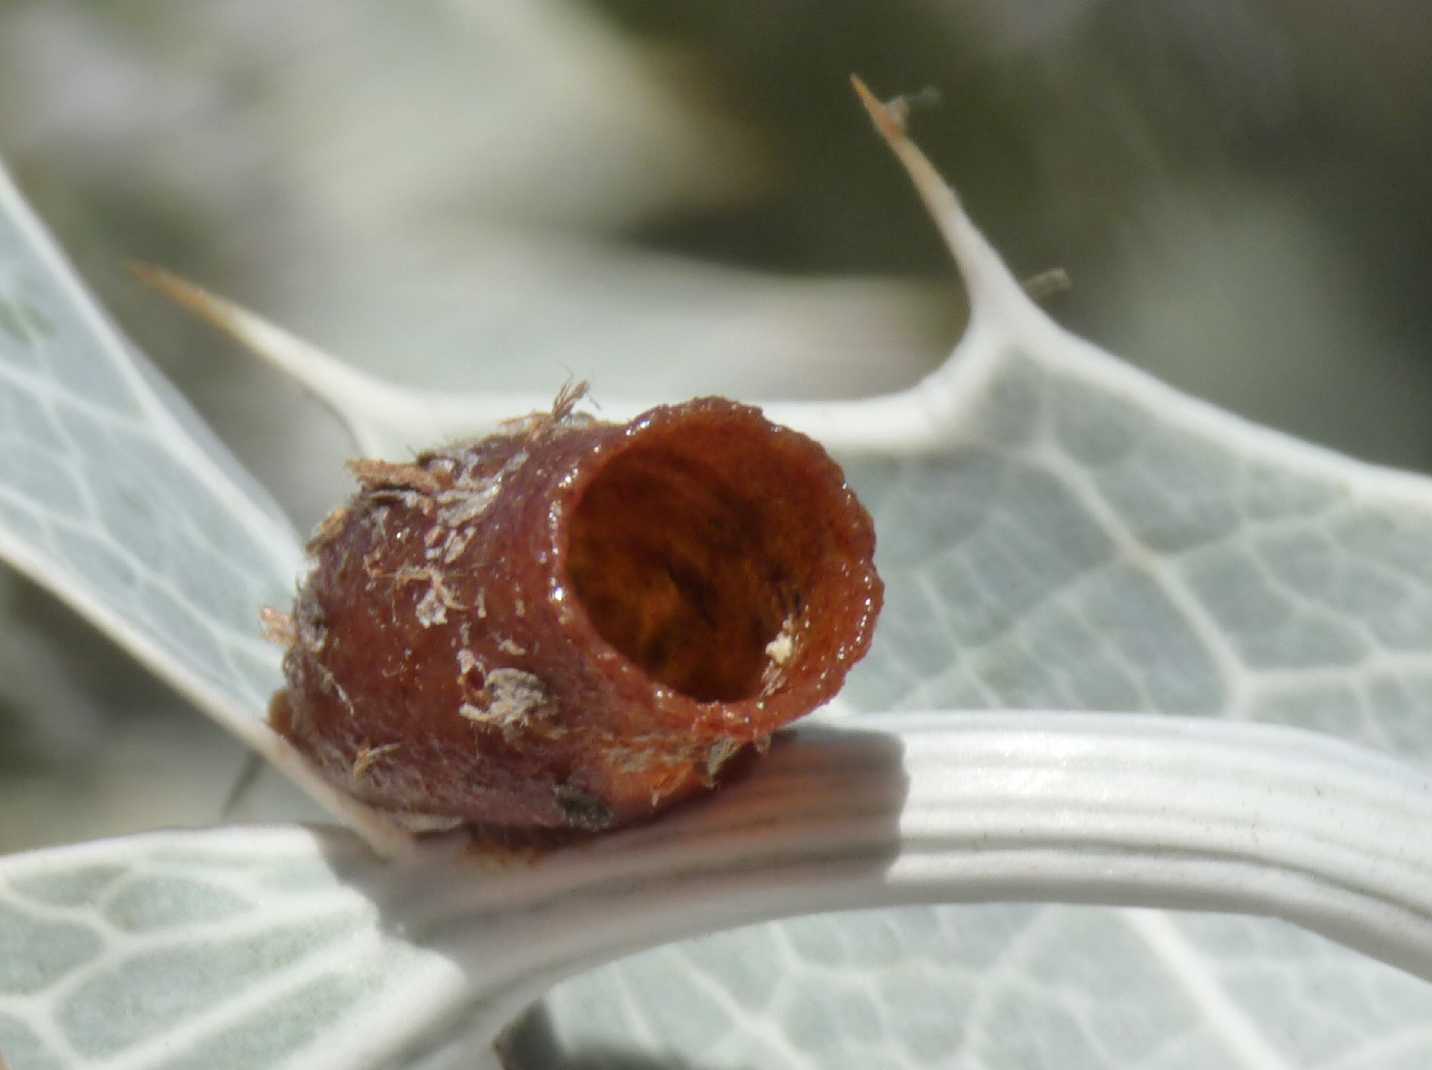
(465,504)
(278,627)
(466,662)
(507,646)
(456,544)
(312,629)
(783,647)
(471,495)
(511,699)
(431,609)
(779,652)
(722,751)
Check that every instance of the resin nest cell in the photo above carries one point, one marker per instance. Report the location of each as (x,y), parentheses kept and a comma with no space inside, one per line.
(571,624)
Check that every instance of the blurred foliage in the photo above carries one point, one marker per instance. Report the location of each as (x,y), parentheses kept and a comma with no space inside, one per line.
(1237,189)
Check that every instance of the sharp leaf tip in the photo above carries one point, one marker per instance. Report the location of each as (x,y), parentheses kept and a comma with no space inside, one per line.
(889,121)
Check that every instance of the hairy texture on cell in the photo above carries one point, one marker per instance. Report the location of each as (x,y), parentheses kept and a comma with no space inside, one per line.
(572,623)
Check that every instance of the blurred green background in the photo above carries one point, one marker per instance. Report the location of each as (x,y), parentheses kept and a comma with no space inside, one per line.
(668,199)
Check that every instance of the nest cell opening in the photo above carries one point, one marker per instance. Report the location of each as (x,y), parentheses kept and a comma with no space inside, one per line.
(687,555)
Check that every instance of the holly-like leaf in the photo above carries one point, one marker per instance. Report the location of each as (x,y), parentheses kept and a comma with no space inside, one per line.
(223,948)
(115,496)
(1055,529)
(288,947)
(1075,534)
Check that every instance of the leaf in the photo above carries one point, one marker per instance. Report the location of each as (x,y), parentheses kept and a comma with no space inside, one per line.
(1078,535)
(841,321)
(116,497)
(1076,546)
(251,947)
(227,948)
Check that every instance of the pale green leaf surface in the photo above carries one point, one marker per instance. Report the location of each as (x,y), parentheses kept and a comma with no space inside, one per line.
(1080,536)
(116,497)
(1055,530)
(222,949)
(113,495)
(291,947)
(288,947)
(1089,546)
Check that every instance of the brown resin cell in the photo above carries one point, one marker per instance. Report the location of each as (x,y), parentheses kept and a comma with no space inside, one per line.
(571,623)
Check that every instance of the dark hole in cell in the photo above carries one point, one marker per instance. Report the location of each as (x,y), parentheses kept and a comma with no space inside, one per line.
(682,567)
